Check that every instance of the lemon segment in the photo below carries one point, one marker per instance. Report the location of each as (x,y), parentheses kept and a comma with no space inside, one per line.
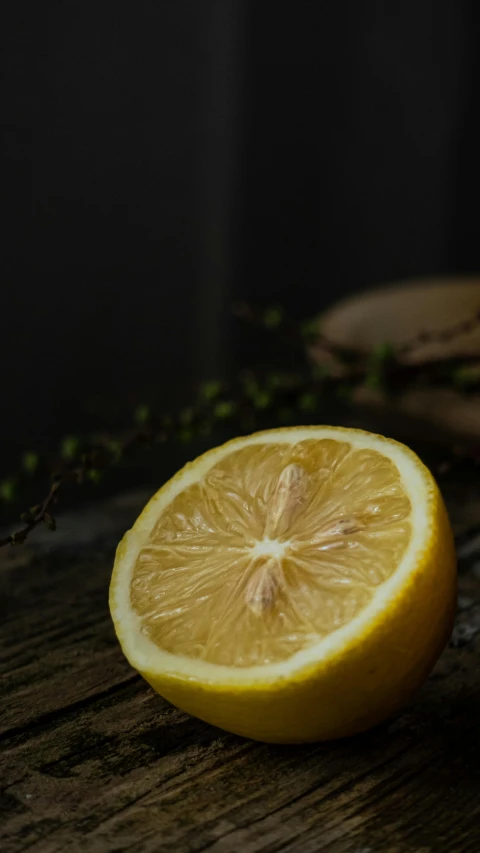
(293,585)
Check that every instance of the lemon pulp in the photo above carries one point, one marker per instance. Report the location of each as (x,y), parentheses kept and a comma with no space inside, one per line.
(276,547)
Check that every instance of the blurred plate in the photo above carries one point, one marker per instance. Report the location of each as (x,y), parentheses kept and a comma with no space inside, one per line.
(399,314)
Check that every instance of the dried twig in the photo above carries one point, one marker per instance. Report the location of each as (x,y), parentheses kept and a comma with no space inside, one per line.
(37,515)
(282,395)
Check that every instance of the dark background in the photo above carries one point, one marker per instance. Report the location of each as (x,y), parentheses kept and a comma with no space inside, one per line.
(182,154)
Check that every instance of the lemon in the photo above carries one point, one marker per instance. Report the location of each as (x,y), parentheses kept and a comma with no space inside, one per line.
(293,585)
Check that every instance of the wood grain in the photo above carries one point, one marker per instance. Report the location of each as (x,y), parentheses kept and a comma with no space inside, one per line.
(93,760)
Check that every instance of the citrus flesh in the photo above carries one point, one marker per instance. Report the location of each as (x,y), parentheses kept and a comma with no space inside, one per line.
(293,585)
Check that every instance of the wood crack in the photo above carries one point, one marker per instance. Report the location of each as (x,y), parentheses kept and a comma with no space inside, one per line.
(50,718)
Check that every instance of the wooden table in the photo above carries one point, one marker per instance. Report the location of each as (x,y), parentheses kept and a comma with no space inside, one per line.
(93,760)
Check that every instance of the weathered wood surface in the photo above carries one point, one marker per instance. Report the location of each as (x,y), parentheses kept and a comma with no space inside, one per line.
(93,761)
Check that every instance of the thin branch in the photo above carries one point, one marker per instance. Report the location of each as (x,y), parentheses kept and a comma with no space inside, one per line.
(244,400)
(37,515)
(88,466)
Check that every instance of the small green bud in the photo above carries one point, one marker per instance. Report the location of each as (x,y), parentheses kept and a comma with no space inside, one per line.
(274,381)
(384,352)
(27,517)
(8,489)
(273,317)
(69,447)
(378,359)
(94,475)
(224,409)
(210,390)
(307,402)
(374,380)
(30,462)
(141,414)
(49,521)
(18,538)
(262,399)
(310,328)
(465,377)
(115,448)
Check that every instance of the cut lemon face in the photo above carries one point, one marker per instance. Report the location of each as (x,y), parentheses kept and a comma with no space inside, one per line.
(297,584)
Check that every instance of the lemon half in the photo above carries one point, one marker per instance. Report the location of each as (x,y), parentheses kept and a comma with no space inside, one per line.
(293,585)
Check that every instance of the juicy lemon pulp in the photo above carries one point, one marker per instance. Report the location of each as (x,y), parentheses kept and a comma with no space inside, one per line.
(276,547)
